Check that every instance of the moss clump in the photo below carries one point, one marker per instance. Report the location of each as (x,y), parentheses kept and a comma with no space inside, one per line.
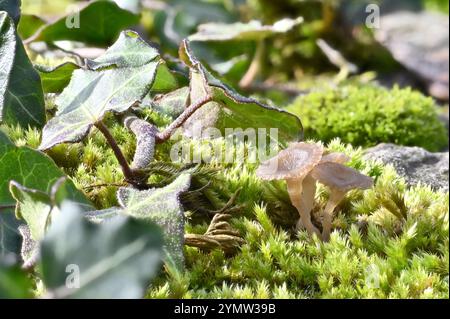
(368,115)
(437,5)
(388,242)
(373,253)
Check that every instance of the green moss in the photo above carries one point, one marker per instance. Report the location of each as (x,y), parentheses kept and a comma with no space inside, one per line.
(374,252)
(368,115)
(437,5)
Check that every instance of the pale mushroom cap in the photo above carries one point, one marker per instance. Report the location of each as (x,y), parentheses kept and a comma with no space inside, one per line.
(340,177)
(294,162)
(339,158)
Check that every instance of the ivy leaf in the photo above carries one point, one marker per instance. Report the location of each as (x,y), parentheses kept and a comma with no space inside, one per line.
(21,96)
(118,84)
(14,282)
(171,104)
(55,79)
(100,22)
(251,31)
(30,248)
(39,208)
(29,24)
(111,260)
(12,7)
(33,170)
(230,109)
(179,18)
(34,206)
(5,141)
(10,240)
(159,205)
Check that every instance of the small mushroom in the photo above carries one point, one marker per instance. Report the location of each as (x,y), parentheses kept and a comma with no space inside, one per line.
(340,179)
(294,165)
(339,158)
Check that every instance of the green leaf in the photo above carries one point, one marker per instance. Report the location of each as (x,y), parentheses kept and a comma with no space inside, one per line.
(128,51)
(113,260)
(100,22)
(33,170)
(251,31)
(171,104)
(159,205)
(10,240)
(34,206)
(55,79)
(21,96)
(179,18)
(4,140)
(38,208)
(14,282)
(29,24)
(123,78)
(12,7)
(232,110)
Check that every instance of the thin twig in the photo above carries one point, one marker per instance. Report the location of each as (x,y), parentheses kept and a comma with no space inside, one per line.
(168,132)
(127,172)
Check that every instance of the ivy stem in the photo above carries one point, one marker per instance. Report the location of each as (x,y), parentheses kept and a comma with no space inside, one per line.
(255,66)
(127,171)
(168,132)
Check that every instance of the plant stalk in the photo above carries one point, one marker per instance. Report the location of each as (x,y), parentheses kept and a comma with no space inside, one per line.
(168,132)
(255,66)
(127,171)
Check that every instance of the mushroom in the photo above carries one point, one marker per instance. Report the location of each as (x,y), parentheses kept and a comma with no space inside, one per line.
(294,165)
(340,179)
(339,158)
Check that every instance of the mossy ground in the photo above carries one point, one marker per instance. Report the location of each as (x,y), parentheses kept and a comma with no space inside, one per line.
(367,114)
(374,252)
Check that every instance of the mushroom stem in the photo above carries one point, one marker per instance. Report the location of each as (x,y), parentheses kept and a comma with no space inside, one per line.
(299,199)
(328,213)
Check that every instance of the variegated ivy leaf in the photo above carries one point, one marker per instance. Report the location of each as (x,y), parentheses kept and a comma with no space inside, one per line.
(123,76)
(230,109)
(159,205)
(251,31)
